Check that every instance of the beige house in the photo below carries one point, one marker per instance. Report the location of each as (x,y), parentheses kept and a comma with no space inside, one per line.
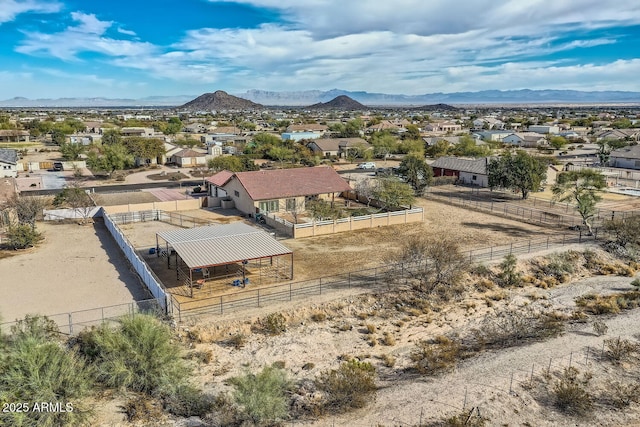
(270,191)
(189,158)
(13,135)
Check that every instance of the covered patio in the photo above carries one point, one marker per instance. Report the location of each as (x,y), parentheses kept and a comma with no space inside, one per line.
(235,254)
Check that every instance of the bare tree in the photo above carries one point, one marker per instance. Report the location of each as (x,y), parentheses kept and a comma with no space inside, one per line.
(27,208)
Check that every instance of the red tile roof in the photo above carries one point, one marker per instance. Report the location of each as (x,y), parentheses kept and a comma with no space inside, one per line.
(221,178)
(282,183)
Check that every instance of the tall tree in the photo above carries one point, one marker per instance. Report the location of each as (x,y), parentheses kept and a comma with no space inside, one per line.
(110,158)
(111,137)
(606,146)
(583,188)
(71,151)
(393,193)
(415,170)
(521,172)
(467,146)
(27,208)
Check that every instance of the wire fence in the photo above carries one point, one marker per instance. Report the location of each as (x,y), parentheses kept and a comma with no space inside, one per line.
(72,322)
(371,279)
(532,210)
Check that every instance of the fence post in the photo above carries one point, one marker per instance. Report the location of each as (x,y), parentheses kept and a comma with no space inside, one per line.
(547,242)
(102,309)
(258,297)
(511,384)
(464,404)
(221,304)
(70,325)
(511,248)
(349,280)
(289,291)
(549,368)
(320,286)
(570,358)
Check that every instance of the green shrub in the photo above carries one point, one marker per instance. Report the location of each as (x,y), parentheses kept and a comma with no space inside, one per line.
(348,387)
(509,276)
(274,324)
(621,395)
(137,355)
(22,236)
(619,351)
(636,283)
(36,368)
(262,396)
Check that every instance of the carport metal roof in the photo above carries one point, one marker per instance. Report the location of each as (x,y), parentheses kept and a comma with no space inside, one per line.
(222,244)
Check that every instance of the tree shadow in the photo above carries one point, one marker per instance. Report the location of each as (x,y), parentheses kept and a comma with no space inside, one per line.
(513,230)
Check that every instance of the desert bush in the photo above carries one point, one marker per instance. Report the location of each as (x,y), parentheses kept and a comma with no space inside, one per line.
(202,356)
(509,276)
(570,392)
(512,328)
(599,327)
(470,418)
(34,367)
(262,397)
(432,358)
(438,262)
(185,400)
(636,283)
(388,360)
(274,324)
(37,327)
(370,328)
(388,339)
(618,351)
(348,387)
(557,265)
(319,316)
(621,395)
(138,355)
(606,304)
(141,408)
(237,341)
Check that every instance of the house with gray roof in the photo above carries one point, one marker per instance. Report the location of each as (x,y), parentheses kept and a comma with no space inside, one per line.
(468,171)
(626,157)
(8,163)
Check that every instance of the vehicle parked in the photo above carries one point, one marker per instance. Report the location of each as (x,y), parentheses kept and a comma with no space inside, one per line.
(367,165)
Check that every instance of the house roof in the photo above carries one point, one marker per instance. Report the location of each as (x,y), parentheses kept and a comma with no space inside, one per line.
(282,183)
(187,152)
(309,127)
(478,166)
(222,244)
(8,155)
(221,178)
(630,152)
(334,144)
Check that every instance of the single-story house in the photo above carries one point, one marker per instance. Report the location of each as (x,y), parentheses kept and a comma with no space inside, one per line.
(137,131)
(494,135)
(443,127)
(625,134)
(554,129)
(215,191)
(8,163)
(308,127)
(13,135)
(280,189)
(626,157)
(525,139)
(188,158)
(468,171)
(432,140)
(327,147)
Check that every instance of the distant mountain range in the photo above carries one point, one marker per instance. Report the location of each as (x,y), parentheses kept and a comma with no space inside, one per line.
(311,97)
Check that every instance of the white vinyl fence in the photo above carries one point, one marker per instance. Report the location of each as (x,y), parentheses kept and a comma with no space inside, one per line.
(147,276)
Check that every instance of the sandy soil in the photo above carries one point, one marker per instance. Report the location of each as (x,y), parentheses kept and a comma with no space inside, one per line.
(74,268)
(498,383)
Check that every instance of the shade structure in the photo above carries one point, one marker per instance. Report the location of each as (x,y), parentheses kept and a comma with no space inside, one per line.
(222,244)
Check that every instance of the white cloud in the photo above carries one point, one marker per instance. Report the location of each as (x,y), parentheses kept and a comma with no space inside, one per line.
(127,32)
(10,9)
(86,36)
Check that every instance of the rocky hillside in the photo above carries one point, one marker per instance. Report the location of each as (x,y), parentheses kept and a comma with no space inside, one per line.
(341,102)
(220,100)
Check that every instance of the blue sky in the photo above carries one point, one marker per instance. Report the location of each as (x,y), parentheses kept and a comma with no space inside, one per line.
(134,49)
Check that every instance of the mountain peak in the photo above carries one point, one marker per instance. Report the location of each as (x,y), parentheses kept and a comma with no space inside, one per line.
(220,100)
(341,102)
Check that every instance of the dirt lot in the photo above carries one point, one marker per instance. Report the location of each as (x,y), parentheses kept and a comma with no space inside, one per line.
(74,268)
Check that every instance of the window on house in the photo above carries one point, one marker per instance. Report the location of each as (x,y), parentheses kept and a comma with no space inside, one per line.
(236,193)
(269,206)
(291,204)
(473,177)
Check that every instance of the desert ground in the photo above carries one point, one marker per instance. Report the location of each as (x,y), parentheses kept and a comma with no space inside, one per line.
(76,267)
